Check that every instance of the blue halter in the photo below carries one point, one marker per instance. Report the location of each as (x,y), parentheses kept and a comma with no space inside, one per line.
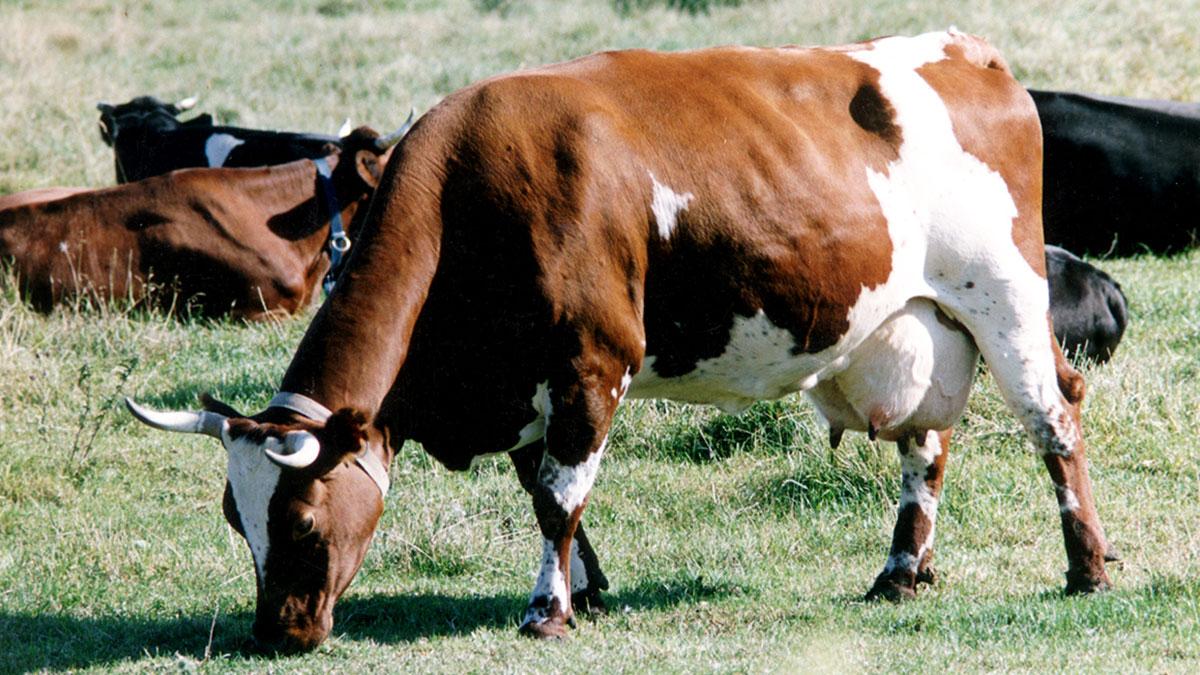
(339,243)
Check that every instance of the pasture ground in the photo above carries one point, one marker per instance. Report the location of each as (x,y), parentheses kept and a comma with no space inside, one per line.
(733,543)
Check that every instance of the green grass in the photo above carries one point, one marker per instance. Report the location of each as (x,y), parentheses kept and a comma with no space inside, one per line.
(733,543)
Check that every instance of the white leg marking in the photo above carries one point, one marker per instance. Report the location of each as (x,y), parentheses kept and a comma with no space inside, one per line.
(903,561)
(913,466)
(570,484)
(579,578)
(1067,501)
(667,205)
(218,147)
(252,479)
(550,584)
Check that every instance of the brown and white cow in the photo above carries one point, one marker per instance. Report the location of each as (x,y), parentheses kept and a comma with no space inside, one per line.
(715,226)
(247,242)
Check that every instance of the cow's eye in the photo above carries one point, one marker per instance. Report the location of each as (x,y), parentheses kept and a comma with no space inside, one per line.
(304,526)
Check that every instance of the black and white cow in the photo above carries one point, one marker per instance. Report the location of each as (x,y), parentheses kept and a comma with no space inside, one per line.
(149,140)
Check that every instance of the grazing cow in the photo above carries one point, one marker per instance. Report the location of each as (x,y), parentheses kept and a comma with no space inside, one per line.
(148,140)
(716,226)
(1088,308)
(247,242)
(1122,175)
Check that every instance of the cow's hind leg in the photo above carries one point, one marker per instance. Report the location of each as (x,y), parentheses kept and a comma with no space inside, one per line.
(922,463)
(587,579)
(581,410)
(1046,393)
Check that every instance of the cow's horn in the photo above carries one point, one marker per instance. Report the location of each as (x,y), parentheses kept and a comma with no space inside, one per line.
(300,450)
(204,422)
(346,129)
(385,142)
(187,103)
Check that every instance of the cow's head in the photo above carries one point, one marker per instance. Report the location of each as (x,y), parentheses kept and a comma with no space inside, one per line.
(364,153)
(305,496)
(143,111)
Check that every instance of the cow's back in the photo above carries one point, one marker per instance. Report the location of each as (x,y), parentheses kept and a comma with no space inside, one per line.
(680,203)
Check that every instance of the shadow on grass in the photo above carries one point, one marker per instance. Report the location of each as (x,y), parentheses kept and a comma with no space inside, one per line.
(30,642)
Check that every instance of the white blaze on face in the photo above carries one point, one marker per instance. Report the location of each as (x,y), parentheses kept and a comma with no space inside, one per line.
(253,478)
(218,147)
(667,205)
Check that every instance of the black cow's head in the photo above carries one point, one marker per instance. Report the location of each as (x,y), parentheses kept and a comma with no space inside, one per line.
(146,112)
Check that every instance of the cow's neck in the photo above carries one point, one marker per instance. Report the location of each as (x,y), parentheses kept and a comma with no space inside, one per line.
(353,350)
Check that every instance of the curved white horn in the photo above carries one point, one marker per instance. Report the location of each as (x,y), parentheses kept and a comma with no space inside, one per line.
(346,129)
(385,142)
(300,450)
(204,422)
(187,103)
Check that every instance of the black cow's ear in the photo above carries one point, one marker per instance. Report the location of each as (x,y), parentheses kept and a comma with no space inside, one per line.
(345,432)
(369,169)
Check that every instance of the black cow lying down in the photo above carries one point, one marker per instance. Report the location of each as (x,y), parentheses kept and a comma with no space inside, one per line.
(1087,306)
(1120,175)
(148,139)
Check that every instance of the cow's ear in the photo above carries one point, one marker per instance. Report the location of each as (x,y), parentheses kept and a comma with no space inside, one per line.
(369,168)
(345,432)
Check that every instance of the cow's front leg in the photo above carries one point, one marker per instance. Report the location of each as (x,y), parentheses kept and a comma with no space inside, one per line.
(575,440)
(587,579)
(922,463)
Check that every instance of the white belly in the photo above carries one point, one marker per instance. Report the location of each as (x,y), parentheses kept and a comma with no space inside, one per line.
(913,372)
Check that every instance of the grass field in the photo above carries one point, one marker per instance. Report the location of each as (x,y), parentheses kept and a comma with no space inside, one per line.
(733,543)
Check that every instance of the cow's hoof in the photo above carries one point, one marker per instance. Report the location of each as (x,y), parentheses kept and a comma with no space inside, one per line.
(890,590)
(1083,582)
(588,601)
(928,575)
(554,628)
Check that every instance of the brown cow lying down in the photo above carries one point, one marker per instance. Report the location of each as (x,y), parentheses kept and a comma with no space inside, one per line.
(243,242)
(715,226)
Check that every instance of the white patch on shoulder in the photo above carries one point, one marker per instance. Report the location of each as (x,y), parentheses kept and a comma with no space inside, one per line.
(218,147)
(62,246)
(570,484)
(667,205)
(253,478)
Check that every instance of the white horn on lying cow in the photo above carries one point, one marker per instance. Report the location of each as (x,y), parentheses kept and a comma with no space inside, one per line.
(300,450)
(187,103)
(385,142)
(203,422)
(346,128)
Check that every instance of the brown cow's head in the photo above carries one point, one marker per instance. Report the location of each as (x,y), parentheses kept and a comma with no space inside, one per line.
(306,507)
